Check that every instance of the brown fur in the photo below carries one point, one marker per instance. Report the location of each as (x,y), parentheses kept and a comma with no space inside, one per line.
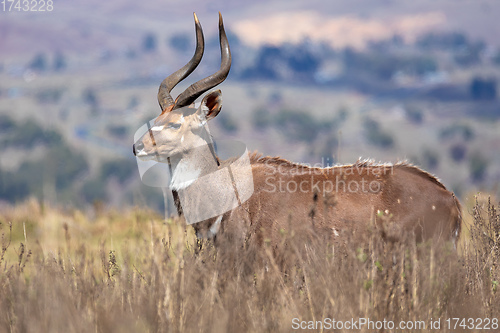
(407,196)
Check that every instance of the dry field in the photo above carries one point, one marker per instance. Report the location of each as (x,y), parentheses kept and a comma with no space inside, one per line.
(130,271)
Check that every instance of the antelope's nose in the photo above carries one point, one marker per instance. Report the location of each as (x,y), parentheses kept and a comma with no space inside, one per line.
(136,147)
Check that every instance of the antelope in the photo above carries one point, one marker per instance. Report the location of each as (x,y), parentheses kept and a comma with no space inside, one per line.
(285,195)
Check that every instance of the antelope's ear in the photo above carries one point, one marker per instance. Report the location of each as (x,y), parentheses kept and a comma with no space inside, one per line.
(211,105)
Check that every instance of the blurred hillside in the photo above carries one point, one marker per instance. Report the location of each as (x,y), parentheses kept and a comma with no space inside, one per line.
(322,82)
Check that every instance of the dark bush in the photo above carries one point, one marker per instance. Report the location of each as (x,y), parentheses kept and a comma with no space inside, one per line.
(60,165)
(49,95)
(478,166)
(430,159)
(6,123)
(67,165)
(496,58)
(11,188)
(414,115)
(376,136)
(59,62)
(180,42)
(121,169)
(30,134)
(261,119)
(39,62)
(483,89)
(384,66)
(458,151)
(328,150)
(453,41)
(94,190)
(90,97)
(269,59)
(470,55)
(297,125)
(118,131)
(227,123)
(149,43)
(301,60)
(459,131)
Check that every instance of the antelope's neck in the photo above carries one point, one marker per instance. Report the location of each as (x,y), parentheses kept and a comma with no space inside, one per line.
(189,166)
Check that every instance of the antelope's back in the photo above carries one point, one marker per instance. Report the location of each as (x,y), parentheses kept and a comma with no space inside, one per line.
(402,195)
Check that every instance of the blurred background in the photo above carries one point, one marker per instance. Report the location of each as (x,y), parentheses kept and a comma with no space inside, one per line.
(316,82)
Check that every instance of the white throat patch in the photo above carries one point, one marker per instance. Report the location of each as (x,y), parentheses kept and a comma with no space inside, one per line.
(183,175)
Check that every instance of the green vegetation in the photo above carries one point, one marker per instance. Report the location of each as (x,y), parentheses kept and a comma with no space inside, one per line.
(122,170)
(458,152)
(7,124)
(414,115)
(261,119)
(94,190)
(430,159)
(59,166)
(49,95)
(39,62)
(384,66)
(59,62)
(90,97)
(375,135)
(483,89)
(453,41)
(27,134)
(149,42)
(297,126)
(180,42)
(465,52)
(457,131)
(118,131)
(478,167)
(228,124)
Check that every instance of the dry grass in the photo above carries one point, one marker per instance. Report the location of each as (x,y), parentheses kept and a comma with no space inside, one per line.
(130,271)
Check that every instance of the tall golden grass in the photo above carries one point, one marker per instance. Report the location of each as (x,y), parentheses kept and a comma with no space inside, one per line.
(131,271)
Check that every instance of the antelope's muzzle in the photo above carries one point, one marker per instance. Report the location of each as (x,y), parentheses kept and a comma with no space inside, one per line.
(137,147)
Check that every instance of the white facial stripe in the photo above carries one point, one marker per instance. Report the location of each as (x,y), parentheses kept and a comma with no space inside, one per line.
(183,176)
(157,128)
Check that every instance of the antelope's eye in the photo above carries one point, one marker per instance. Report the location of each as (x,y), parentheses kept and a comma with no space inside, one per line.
(174,126)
